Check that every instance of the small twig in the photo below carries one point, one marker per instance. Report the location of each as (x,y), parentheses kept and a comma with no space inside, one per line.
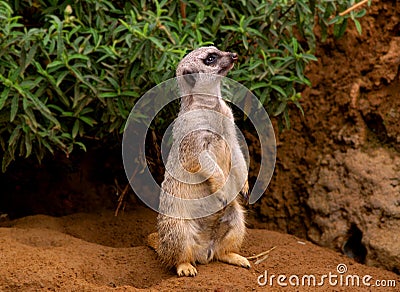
(183,12)
(91,138)
(287,10)
(259,261)
(162,27)
(122,196)
(355,6)
(261,254)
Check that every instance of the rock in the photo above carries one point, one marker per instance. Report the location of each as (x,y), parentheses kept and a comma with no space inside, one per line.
(354,198)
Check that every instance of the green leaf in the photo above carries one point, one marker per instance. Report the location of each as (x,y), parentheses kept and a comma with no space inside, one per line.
(339,29)
(108,94)
(56,107)
(278,89)
(358,26)
(282,107)
(4,96)
(28,145)
(130,93)
(77,56)
(286,117)
(75,129)
(361,13)
(7,159)
(42,108)
(54,66)
(61,77)
(255,65)
(298,105)
(14,107)
(29,57)
(91,122)
(67,114)
(295,45)
(52,81)
(81,145)
(259,85)
(245,42)
(14,137)
(59,27)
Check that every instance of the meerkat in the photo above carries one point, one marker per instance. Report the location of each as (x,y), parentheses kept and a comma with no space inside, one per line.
(183,242)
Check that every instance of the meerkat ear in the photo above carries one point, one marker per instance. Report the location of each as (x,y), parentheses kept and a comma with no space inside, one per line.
(190,79)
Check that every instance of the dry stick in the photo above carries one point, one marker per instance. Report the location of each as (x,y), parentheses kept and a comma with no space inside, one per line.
(183,12)
(261,254)
(355,6)
(122,196)
(259,261)
(119,189)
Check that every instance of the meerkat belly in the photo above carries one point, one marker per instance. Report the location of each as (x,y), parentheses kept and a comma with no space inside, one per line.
(215,229)
(206,242)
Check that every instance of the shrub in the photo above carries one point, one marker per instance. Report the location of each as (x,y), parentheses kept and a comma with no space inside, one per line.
(72,70)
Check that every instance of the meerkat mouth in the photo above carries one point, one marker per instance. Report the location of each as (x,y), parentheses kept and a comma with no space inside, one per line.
(225,70)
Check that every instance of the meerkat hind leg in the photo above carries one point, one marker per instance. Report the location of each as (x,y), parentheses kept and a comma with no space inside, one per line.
(186,269)
(234,259)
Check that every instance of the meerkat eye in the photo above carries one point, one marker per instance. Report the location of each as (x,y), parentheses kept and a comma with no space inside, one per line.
(211,58)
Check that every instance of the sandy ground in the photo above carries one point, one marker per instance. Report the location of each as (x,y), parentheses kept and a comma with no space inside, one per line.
(100,252)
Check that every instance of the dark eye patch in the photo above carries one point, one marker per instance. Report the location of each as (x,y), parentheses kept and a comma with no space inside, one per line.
(210,59)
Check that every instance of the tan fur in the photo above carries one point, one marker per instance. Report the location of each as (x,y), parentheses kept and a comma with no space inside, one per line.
(181,243)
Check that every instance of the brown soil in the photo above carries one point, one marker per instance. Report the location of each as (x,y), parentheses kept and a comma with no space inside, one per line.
(100,252)
(354,104)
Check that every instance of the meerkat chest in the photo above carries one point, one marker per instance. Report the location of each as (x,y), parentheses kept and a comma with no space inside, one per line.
(225,110)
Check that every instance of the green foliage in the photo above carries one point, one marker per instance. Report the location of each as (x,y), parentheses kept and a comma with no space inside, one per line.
(72,70)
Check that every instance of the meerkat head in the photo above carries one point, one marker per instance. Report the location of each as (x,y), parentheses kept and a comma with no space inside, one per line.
(203,63)
(206,60)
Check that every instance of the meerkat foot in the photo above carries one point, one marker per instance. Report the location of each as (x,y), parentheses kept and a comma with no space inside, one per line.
(234,259)
(186,269)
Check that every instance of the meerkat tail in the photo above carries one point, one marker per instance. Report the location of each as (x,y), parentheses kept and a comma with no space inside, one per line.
(153,240)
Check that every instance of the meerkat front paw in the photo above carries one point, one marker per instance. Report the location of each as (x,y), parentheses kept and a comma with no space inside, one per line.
(234,259)
(186,269)
(245,190)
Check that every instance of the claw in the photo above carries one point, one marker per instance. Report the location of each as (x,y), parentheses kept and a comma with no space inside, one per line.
(245,191)
(186,269)
(245,197)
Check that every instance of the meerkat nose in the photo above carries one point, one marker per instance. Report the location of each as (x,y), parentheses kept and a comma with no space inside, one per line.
(234,56)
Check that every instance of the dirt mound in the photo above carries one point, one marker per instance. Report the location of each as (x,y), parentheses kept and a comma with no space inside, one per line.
(355,197)
(100,252)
